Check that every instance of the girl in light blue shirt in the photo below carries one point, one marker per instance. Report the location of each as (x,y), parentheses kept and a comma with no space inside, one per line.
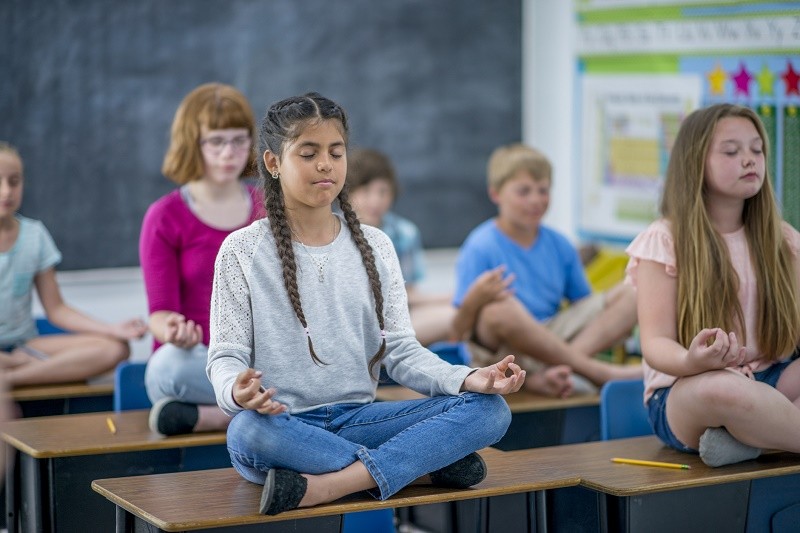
(28,257)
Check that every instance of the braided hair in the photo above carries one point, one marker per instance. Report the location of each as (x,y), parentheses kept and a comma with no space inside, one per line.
(283,123)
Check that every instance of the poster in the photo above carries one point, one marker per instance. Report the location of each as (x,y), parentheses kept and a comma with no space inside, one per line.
(643,65)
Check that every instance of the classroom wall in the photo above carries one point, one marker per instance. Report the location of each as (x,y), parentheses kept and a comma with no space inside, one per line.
(89,89)
(548,73)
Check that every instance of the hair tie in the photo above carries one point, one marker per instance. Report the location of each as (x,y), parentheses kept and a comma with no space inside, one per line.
(383,333)
(308,334)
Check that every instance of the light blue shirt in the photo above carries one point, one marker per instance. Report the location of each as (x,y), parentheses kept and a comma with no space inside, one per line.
(408,245)
(33,252)
(547,272)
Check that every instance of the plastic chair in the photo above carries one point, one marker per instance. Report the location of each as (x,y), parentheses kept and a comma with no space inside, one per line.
(606,269)
(622,413)
(44,327)
(129,390)
(378,521)
(455,353)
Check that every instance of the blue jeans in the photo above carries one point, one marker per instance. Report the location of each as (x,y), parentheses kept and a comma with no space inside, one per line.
(179,373)
(398,442)
(657,406)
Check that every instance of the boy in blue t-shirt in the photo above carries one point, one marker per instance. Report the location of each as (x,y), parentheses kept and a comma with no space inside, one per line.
(533,270)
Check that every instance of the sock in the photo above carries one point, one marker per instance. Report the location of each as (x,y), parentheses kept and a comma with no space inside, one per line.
(718,447)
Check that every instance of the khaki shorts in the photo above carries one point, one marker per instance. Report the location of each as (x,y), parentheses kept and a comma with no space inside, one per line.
(565,325)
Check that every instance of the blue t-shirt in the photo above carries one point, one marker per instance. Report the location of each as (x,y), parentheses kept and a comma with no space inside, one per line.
(33,252)
(547,272)
(408,245)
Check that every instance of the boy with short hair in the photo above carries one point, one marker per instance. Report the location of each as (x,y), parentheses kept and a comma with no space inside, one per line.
(544,270)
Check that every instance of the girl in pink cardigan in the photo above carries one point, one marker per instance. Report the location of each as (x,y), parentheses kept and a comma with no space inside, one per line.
(210,151)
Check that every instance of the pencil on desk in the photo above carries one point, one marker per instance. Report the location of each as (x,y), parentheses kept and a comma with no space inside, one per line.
(649,463)
(111,427)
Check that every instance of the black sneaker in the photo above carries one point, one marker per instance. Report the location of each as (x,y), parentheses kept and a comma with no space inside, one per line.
(283,490)
(173,417)
(464,473)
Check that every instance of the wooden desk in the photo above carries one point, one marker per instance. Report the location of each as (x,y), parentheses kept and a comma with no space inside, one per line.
(537,420)
(191,501)
(65,398)
(48,488)
(559,488)
(618,497)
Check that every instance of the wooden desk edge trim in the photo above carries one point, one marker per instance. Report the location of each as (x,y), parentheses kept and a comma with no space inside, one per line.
(165,443)
(692,483)
(60,392)
(334,508)
(121,503)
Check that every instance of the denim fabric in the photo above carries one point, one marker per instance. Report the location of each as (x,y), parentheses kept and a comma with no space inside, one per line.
(398,442)
(657,409)
(771,375)
(179,373)
(657,406)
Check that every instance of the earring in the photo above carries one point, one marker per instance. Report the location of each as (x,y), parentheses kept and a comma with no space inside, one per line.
(276,175)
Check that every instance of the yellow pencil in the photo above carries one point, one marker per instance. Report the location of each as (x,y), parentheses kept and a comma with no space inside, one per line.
(649,463)
(111,427)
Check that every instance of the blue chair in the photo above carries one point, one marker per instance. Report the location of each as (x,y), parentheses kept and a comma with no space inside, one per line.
(622,413)
(129,390)
(455,353)
(378,521)
(44,327)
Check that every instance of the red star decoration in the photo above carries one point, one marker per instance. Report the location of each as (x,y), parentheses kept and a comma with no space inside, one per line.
(742,81)
(791,78)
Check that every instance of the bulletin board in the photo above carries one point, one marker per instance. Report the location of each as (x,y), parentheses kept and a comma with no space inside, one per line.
(643,65)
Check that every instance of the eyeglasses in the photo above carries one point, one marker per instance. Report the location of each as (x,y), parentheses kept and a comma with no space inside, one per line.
(215,145)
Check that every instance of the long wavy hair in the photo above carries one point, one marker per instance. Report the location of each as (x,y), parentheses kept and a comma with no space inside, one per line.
(283,123)
(707,281)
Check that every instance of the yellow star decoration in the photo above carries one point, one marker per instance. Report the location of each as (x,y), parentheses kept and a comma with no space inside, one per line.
(766,81)
(792,111)
(716,79)
(766,110)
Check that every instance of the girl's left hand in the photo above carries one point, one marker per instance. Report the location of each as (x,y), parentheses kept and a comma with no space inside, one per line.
(134,328)
(493,379)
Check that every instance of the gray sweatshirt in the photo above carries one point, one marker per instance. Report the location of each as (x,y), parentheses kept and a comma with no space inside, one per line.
(254,325)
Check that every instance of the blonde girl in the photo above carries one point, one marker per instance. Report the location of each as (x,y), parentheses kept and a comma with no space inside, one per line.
(718,302)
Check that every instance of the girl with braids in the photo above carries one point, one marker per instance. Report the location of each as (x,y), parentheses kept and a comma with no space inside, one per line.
(307,305)
(718,301)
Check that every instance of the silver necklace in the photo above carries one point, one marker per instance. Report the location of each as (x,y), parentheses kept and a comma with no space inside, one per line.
(319,260)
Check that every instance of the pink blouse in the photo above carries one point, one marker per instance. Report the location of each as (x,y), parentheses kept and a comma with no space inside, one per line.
(177,251)
(656,244)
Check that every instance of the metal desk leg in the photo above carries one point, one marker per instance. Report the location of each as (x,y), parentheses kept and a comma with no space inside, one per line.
(12,490)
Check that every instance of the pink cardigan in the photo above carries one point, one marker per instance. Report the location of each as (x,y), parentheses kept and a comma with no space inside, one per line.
(177,253)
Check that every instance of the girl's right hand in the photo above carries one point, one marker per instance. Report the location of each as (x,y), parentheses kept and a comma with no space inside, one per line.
(249,394)
(723,352)
(181,332)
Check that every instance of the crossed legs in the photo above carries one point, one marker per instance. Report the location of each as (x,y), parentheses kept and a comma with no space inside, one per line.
(754,413)
(71,357)
(508,324)
(612,325)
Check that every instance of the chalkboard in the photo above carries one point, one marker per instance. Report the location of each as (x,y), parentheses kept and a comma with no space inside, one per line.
(89,89)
